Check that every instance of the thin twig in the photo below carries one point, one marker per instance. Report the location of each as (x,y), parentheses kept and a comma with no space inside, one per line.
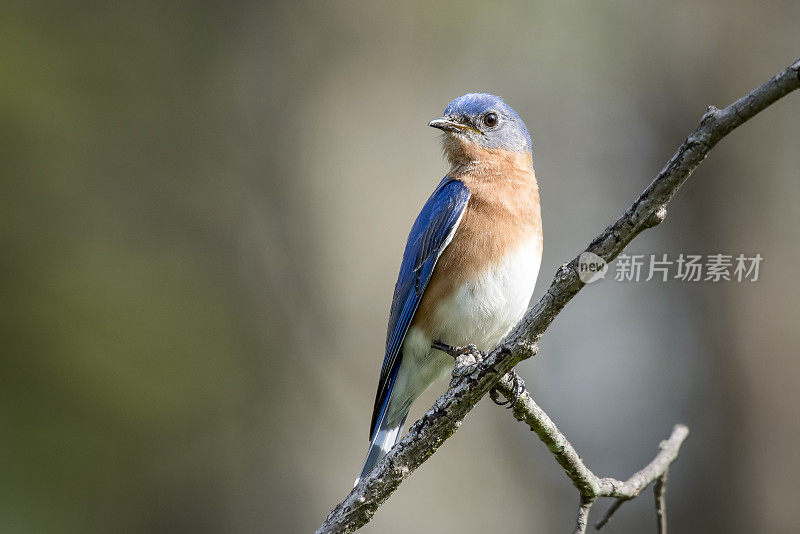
(667,452)
(660,494)
(606,516)
(527,411)
(470,384)
(583,514)
(590,485)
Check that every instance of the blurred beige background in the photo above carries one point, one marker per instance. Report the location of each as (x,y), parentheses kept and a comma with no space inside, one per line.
(204,208)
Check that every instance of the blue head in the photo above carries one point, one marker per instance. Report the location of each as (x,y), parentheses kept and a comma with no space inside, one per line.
(484,120)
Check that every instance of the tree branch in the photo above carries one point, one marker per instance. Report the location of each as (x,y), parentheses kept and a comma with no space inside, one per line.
(590,485)
(471,382)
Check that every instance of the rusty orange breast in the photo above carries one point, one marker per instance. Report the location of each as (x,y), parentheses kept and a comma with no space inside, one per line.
(502,214)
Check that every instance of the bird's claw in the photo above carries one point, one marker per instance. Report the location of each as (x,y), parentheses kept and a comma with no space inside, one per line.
(517,388)
(469,355)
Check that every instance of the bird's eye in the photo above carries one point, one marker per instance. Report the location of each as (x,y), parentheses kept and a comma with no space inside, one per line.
(490,119)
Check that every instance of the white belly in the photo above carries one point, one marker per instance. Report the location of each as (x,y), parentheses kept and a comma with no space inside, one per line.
(486,308)
(481,312)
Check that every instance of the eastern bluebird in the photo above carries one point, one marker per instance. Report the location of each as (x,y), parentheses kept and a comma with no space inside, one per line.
(470,262)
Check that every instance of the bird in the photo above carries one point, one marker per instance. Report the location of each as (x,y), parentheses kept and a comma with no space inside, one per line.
(470,263)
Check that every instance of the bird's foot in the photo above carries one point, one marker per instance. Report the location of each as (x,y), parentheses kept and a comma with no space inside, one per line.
(517,389)
(466,356)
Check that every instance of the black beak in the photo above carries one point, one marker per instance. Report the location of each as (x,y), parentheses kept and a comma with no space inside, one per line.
(447,124)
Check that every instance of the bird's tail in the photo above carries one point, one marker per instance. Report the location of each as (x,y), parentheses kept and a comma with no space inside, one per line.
(387,434)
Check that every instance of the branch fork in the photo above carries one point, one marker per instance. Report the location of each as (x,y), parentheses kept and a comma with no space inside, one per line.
(589,485)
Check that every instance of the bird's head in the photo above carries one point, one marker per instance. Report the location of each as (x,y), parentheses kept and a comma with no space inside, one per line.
(477,122)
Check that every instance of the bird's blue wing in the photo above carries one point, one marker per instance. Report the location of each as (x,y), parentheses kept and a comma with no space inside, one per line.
(430,234)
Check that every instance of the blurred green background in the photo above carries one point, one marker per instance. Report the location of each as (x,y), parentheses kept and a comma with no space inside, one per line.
(204,207)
